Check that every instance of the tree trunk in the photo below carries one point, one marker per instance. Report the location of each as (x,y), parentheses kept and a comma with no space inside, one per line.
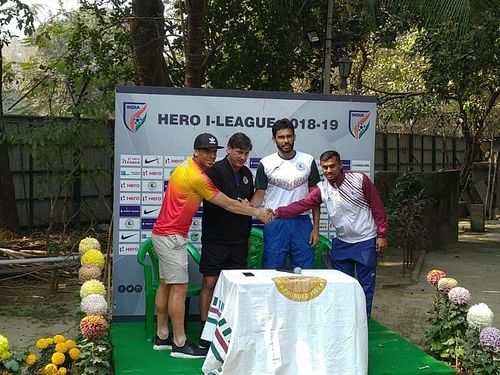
(147,30)
(194,42)
(8,208)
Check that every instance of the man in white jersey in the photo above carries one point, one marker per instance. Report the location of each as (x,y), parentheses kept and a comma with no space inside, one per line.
(357,212)
(282,178)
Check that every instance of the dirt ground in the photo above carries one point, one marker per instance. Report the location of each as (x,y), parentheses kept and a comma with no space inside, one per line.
(28,310)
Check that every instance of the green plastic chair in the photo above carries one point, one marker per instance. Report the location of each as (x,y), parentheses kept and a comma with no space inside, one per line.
(322,251)
(256,250)
(152,283)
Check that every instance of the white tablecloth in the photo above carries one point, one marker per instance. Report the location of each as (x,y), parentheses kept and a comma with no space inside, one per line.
(256,329)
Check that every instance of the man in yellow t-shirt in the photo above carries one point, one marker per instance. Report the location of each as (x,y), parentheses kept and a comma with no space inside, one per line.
(187,187)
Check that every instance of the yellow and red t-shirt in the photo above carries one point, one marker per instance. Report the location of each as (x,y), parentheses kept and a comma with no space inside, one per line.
(187,187)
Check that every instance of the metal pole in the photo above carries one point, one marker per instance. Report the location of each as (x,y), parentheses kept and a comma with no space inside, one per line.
(328,49)
(69,259)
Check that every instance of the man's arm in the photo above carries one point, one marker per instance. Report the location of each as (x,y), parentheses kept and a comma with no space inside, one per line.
(241,208)
(257,198)
(313,199)
(260,186)
(315,231)
(378,212)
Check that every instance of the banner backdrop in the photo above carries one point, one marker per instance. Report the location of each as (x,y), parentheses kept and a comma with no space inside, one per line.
(154,132)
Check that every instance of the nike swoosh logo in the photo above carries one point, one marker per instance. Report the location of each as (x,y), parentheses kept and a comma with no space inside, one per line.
(123,237)
(148,161)
(147,212)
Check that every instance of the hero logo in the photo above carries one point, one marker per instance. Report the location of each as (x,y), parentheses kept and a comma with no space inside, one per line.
(134,115)
(359,122)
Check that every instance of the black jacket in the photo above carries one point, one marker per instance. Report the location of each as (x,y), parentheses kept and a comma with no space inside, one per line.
(221,226)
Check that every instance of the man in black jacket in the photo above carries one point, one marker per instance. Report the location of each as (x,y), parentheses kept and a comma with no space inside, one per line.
(224,234)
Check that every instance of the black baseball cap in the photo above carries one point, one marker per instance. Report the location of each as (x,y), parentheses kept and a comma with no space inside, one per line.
(206,140)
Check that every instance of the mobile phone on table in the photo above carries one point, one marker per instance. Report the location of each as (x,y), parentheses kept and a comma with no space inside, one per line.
(248,274)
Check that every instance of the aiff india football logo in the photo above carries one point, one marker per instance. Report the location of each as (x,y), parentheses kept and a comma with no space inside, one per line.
(134,115)
(359,122)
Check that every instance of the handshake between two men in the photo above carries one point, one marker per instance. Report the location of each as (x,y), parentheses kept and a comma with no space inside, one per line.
(263,214)
(266,215)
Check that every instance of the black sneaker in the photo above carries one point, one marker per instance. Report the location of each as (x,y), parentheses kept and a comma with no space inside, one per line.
(204,344)
(189,350)
(165,344)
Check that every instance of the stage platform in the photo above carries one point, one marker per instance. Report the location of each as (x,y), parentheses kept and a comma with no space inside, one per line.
(389,354)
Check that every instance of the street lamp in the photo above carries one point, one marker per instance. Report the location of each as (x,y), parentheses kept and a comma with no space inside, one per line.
(345,64)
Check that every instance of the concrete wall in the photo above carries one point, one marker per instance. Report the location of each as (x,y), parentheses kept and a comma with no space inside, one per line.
(441,218)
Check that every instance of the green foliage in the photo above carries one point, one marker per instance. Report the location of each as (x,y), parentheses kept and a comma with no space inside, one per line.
(95,357)
(79,59)
(407,203)
(444,336)
(14,11)
(251,46)
(476,360)
(464,71)
(14,364)
(60,149)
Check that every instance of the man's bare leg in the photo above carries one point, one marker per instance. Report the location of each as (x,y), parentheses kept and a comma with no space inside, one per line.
(176,309)
(207,291)
(161,302)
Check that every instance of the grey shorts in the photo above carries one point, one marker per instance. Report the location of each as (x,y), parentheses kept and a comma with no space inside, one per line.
(172,258)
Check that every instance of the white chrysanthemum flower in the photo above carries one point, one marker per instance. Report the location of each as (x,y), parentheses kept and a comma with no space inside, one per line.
(480,316)
(94,304)
(88,243)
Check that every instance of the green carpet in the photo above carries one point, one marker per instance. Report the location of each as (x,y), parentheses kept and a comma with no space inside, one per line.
(388,354)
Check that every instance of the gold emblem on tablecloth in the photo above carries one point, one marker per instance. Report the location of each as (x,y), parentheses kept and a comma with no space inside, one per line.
(300,288)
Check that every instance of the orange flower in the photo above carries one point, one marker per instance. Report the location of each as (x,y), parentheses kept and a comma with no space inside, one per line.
(434,276)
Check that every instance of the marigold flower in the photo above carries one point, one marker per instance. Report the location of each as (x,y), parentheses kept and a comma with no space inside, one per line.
(74,353)
(459,295)
(41,344)
(4,348)
(93,257)
(94,304)
(93,326)
(88,272)
(88,243)
(61,347)
(31,359)
(479,316)
(50,369)
(49,340)
(434,276)
(489,339)
(92,287)
(62,371)
(58,338)
(445,284)
(58,358)
(70,344)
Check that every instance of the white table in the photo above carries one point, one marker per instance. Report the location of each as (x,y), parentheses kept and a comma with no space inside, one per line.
(256,329)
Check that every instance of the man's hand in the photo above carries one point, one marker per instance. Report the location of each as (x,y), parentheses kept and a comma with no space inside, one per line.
(314,237)
(381,244)
(265,215)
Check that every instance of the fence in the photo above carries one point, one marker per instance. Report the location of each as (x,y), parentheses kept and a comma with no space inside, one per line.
(71,182)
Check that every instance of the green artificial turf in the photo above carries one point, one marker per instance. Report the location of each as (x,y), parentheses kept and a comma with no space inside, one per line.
(389,354)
